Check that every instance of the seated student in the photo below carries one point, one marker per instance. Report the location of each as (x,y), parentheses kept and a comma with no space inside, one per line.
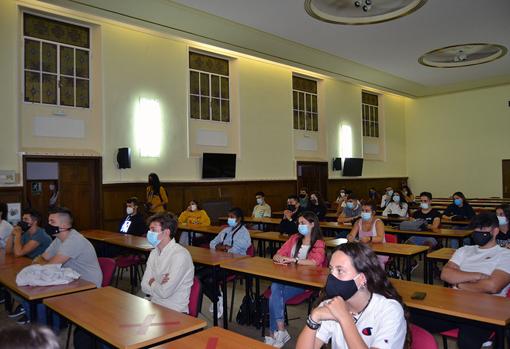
(430,215)
(340,207)
(70,248)
(484,268)
(303,198)
(193,215)
(503,213)
(234,239)
(459,208)
(305,248)
(5,227)
(397,206)
(261,209)
(169,274)
(289,224)
(408,194)
(341,199)
(133,223)
(386,198)
(373,195)
(362,310)
(352,210)
(27,239)
(317,205)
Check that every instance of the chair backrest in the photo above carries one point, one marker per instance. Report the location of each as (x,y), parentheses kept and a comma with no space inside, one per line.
(422,339)
(391,238)
(250,251)
(195,298)
(108,268)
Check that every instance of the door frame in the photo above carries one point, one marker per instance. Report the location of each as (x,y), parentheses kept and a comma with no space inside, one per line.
(322,163)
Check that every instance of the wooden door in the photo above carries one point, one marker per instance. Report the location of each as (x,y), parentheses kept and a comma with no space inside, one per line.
(506,178)
(313,176)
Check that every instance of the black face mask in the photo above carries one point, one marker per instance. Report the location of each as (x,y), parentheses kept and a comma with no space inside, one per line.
(52,230)
(302,196)
(481,238)
(344,289)
(291,207)
(24,225)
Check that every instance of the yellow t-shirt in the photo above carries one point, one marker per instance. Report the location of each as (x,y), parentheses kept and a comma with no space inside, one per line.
(157,201)
(198,217)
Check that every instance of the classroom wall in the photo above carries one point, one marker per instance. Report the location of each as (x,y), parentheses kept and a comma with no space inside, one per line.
(457,141)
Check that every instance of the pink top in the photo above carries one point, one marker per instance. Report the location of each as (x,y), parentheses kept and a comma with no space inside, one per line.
(317,253)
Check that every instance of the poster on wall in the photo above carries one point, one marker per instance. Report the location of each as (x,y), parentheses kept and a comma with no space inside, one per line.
(36,188)
(14,212)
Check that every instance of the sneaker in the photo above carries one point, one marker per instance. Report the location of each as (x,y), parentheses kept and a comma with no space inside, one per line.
(220,307)
(280,338)
(487,344)
(17,312)
(269,340)
(23,320)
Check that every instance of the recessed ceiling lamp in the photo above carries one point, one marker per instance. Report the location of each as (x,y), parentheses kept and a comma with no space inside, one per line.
(462,55)
(360,11)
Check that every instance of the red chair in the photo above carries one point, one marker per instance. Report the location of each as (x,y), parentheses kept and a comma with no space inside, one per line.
(130,262)
(422,339)
(391,238)
(108,268)
(250,251)
(195,298)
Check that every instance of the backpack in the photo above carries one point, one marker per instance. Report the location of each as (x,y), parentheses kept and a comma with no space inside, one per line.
(416,225)
(251,310)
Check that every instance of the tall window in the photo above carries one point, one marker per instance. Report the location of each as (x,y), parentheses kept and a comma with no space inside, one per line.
(56,62)
(304,95)
(209,96)
(370,114)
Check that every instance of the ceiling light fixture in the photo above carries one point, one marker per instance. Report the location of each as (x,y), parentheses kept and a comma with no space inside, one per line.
(462,55)
(357,12)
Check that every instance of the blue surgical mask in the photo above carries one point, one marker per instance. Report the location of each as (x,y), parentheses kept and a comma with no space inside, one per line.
(260,201)
(350,205)
(396,198)
(303,229)
(457,202)
(231,222)
(502,220)
(424,206)
(390,192)
(366,216)
(152,238)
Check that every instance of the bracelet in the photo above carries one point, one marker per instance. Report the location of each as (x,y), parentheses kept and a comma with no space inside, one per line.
(313,325)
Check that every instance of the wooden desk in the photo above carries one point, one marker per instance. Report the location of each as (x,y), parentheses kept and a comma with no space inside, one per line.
(9,260)
(99,235)
(442,255)
(265,221)
(121,319)
(223,339)
(132,242)
(465,305)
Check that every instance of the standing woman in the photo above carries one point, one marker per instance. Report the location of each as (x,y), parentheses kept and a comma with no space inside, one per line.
(503,214)
(363,309)
(305,248)
(156,195)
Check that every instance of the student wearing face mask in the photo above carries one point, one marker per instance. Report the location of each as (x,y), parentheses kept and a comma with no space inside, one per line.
(261,209)
(373,195)
(484,268)
(133,223)
(234,239)
(289,223)
(317,205)
(169,273)
(5,227)
(303,198)
(352,210)
(397,206)
(503,237)
(305,248)
(408,194)
(386,198)
(193,216)
(430,215)
(459,208)
(362,309)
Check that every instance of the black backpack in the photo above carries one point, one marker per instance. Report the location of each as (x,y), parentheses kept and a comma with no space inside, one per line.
(251,310)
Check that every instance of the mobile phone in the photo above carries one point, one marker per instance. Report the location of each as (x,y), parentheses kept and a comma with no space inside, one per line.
(418,295)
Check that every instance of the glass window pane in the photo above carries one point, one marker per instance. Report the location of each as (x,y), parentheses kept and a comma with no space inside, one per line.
(315,122)
(204,108)
(52,30)
(194,107)
(308,102)
(377,130)
(215,109)
(49,57)
(215,86)
(224,88)
(314,103)
(302,124)
(204,84)
(82,93)
(295,122)
(309,121)
(67,61)
(301,101)
(225,110)
(32,54)
(82,63)
(194,87)
(32,87)
(49,89)
(294,100)
(67,91)
(376,114)
(208,64)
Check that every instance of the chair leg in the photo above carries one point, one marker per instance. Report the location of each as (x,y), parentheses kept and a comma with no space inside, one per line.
(232,299)
(117,278)
(69,330)
(445,342)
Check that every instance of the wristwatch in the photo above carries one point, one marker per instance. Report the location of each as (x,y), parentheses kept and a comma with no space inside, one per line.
(313,325)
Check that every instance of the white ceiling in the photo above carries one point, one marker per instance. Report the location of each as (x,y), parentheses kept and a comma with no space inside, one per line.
(393,47)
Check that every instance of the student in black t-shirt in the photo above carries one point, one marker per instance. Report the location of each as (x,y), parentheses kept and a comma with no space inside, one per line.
(289,223)
(133,223)
(317,205)
(430,215)
(459,208)
(503,214)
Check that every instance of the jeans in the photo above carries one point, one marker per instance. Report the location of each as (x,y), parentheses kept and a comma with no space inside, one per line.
(422,240)
(279,295)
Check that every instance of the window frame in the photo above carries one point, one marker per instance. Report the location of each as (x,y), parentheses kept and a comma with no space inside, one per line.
(57,74)
(373,119)
(305,94)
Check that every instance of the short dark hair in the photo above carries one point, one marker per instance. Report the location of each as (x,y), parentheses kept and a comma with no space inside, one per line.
(427,194)
(167,220)
(62,211)
(484,220)
(132,200)
(236,211)
(261,193)
(21,337)
(293,196)
(35,215)
(352,196)
(3,209)
(372,205)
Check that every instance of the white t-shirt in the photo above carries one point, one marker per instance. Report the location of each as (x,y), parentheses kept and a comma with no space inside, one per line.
(382,325)
(394,208)
(481,260)
(5,231)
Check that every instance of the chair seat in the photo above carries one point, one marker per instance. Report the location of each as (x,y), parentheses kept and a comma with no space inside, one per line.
(296,300)
(454,333)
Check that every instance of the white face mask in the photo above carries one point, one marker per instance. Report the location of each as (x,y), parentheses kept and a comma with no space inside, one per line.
(193,207)
(129,210)
(260,201)
(502,220)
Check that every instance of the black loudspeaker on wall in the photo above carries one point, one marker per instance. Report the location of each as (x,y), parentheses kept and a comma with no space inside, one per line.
(124,158)
(337,164)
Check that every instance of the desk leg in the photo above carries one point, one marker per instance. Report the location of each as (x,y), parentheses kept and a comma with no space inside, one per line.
(8,300)
(500,338)
(33,311)
(215,303)
(225,301)
(425,269)
(461,242)
(408,263)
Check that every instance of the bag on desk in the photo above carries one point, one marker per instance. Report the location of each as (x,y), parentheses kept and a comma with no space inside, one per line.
(417,225)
